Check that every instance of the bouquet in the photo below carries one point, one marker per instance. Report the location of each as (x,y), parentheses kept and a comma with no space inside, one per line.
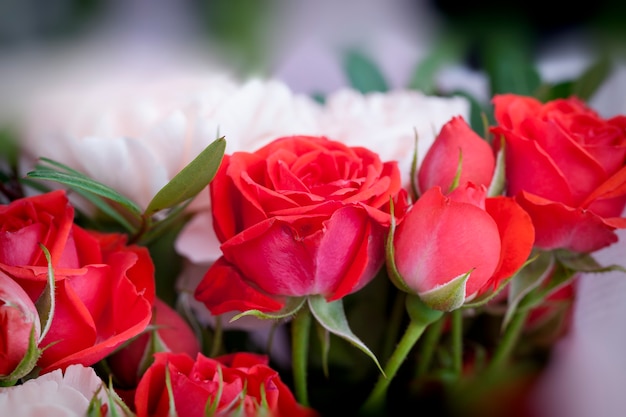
(363,256)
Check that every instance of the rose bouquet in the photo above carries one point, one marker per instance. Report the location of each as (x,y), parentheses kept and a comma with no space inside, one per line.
(357,257)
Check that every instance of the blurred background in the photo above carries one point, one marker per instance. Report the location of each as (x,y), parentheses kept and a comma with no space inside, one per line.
(441,47)
(437,46)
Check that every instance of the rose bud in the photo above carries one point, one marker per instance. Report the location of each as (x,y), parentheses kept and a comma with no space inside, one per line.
(20,328)
(457,144)
(451,249)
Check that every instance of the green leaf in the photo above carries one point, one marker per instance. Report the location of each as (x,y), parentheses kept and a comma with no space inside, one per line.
(362,73)
(449,296)
(83,183)
(45,304)
(191,179)
(589,82)
(526,280)
(333,318)
(291,307)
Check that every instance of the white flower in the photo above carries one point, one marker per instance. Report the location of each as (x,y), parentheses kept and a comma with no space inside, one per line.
(55,394)
(387,123)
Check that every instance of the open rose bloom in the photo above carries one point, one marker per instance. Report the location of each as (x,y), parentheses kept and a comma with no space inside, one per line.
(566,167)
(104,289)
(301,216)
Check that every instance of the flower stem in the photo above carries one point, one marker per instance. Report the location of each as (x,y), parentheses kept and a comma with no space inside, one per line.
(300,334)
(421,316)
(457,341)
(394,323)
(429,344)
(505,348)
(376,400)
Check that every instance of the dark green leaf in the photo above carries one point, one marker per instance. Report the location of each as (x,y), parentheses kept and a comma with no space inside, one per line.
(363,74)
(45,304)
(191,179)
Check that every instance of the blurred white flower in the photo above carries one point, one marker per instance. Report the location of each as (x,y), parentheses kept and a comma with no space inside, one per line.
(135,138)
(387,123)
(55,394)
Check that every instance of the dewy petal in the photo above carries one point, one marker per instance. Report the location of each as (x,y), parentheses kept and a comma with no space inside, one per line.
(223,289)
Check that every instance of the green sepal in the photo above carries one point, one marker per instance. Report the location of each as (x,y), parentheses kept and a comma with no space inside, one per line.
(155,345)
(414,184)
(115,402)
(291,307)
(419,312)
(390,260)
(95,405)
(26,365)
(210,408)
(457,175)
(449,296)
(499,174)
(45,304)
(332,317)
(170,393)
(192,179)
(530,277)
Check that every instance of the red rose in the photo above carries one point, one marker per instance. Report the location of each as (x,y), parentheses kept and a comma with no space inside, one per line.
(104,288)
(19,322)
(442,159)
(174,335)
(460,237)
(300,216)
(566,167)
(239,384)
